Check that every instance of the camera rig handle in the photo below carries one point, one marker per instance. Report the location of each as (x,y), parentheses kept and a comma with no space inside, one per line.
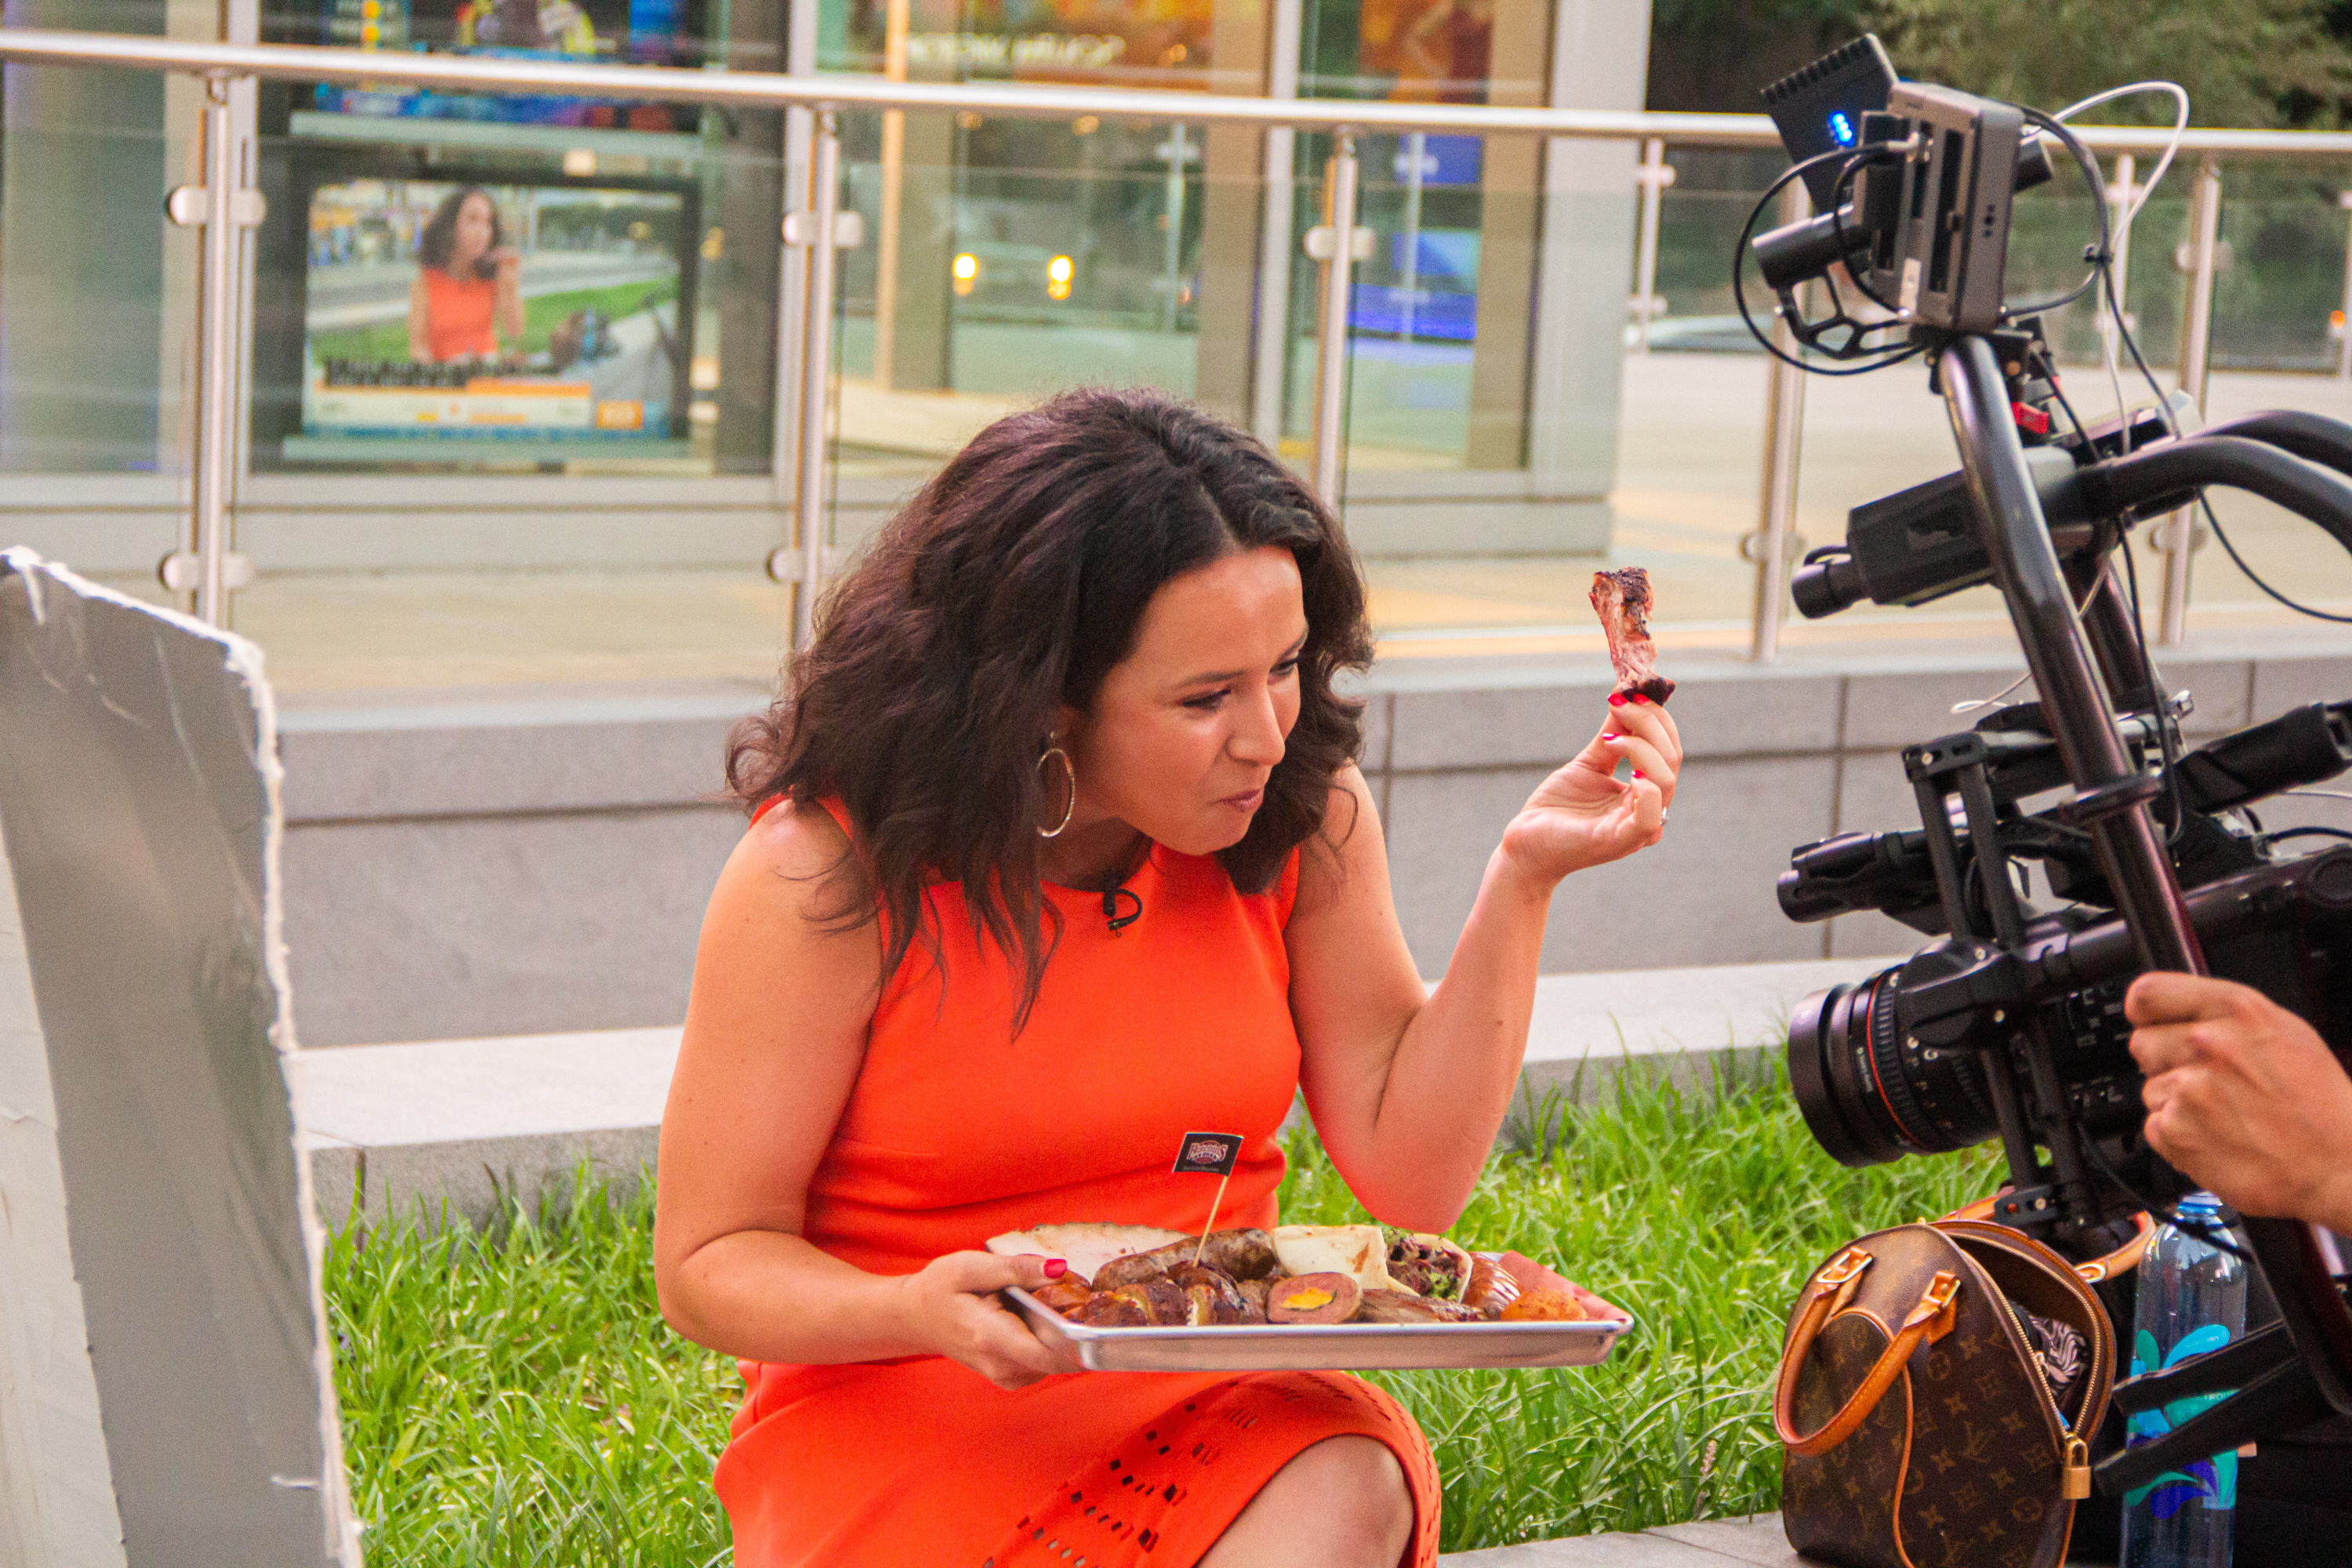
(2014,534)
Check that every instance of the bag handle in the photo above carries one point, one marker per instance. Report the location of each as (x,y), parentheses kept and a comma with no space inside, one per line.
(1930,1321)
(2099,1270)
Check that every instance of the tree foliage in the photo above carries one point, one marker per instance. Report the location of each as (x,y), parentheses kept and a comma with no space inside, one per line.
(2244,62)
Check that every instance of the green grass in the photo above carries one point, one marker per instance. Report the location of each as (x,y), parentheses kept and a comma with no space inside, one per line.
(540,312)
(513,1398)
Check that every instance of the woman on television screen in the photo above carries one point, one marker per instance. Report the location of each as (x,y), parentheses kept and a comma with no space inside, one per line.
(469,290)
(1060,857)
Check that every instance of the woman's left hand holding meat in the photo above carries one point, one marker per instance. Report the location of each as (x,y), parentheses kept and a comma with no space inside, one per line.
(1584,815)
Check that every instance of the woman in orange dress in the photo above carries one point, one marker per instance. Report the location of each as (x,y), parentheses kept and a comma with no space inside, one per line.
(468,288)
(1069,855)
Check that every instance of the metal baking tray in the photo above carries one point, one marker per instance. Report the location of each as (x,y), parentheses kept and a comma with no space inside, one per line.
(1341,1347)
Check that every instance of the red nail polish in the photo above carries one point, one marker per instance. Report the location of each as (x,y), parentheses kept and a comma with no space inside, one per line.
(1616,699)
(1637,697)
(1637,773)
(1055,1267)
(1610,735)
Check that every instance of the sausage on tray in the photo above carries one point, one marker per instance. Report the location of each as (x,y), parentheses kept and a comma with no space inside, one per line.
(1490,1289)
(1241,1254)
(1403,1307)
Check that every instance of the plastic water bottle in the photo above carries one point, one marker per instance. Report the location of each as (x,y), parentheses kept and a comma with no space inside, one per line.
(2192,1299)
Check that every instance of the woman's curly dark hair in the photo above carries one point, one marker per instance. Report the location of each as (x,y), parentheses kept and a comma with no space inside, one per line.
(439,237)
(1009,587)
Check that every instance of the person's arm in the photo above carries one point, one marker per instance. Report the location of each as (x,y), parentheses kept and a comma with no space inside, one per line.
(420,321)
(2243,1098)
(775,1032)
(1408,1088)
(506,314)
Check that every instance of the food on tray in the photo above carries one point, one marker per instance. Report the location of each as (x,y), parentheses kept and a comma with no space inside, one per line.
(1358,1251)
(1215,1297)
(1545,1307)
(1136,1277)
(1084,1248)
(1110,1309)
(1063,1294)
(1243,1254)
(1313,1299)
(1427,1265)
(1404,1307)
(1490,1289)
(1622,600)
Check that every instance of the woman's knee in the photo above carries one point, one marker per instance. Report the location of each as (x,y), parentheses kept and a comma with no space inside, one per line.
(1363,1488)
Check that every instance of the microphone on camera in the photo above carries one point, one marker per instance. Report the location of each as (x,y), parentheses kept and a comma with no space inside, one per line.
(1117,919)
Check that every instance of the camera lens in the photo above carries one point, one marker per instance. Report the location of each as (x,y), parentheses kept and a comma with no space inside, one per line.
(1868,1093)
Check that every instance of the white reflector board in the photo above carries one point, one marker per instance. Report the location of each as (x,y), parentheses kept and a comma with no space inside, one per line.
(166,1397)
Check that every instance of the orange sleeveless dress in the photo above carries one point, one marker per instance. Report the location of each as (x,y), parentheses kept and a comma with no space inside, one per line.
(956,1130)
(457,316)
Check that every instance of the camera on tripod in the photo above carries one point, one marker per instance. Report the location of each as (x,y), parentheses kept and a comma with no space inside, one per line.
(2009,1022)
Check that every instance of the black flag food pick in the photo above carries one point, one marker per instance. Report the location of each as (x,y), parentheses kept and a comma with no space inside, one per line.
(1208,1155)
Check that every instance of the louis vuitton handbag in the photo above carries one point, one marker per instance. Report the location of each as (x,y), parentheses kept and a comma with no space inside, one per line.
(1938,1388)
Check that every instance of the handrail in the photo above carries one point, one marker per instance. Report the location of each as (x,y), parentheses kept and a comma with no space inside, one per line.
(1042,100)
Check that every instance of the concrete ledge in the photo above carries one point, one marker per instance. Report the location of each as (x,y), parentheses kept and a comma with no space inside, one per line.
(461,1123)
(1710,1543)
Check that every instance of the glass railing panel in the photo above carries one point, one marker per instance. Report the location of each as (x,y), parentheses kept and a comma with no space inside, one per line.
(97,294)
(1005,259)
(502,283)
(513,392)
(2280,274)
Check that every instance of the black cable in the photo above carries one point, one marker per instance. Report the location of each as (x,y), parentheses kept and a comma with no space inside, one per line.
(2216,1237)
(2215,524)
(2277,833)
(1739,291)
(1837,227)
(2164,415)
(2090,168)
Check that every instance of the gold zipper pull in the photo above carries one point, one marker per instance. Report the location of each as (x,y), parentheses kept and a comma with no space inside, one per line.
(2074,1480)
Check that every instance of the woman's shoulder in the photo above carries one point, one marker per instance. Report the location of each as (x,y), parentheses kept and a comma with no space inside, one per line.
(797,839)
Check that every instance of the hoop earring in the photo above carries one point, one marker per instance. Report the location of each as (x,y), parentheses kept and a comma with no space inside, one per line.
(1071,809)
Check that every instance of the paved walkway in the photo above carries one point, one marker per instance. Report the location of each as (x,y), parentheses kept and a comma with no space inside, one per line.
(1711,1543)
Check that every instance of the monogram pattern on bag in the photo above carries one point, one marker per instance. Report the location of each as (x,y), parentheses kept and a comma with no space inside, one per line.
(1982,1487)
(1837,1507)
(1987,1494)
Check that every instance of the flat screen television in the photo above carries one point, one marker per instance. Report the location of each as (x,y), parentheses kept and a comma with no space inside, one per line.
(544,318)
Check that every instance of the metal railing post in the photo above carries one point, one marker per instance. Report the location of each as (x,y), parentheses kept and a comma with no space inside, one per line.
(816,367)
(2196,341)
(2344,316)
(1654,176)
(1331,341)
(1784,429)
(207,539)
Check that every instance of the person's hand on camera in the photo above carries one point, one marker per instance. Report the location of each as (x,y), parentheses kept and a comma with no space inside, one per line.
(1584,815)
(2243,1098)
(951,1310)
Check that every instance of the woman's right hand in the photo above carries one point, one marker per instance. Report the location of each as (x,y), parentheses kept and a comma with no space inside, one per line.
(951,1310)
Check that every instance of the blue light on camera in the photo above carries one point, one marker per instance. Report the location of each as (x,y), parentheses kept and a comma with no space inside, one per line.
(1840,128)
